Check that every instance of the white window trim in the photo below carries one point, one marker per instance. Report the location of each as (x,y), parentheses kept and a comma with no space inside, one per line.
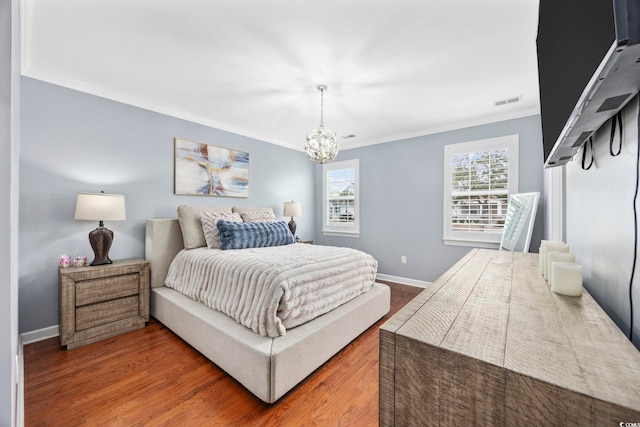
(469,238)
(341,231)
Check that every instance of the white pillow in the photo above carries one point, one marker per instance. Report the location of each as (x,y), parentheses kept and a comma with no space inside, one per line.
(189,218)
(259,216)
(210,229)
(241,210)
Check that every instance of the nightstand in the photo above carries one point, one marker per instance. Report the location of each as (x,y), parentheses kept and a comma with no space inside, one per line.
(102,301)
(307,241)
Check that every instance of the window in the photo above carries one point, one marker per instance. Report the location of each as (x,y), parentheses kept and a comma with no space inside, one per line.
(479,176)
(340,198)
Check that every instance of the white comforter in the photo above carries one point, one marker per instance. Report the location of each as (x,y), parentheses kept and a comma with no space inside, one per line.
(272,289)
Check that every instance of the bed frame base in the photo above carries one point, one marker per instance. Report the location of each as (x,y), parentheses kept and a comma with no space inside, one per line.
(267,367)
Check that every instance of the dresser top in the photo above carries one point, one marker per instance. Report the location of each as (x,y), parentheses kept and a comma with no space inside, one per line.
(495,307)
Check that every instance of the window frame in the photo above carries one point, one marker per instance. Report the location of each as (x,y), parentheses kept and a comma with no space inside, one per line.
(350,230)
(483,239)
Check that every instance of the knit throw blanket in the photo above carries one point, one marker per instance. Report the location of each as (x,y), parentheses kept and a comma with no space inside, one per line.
(275,288)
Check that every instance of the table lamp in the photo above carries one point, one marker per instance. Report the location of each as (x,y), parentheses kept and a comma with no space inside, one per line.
(100,207)
(292,209)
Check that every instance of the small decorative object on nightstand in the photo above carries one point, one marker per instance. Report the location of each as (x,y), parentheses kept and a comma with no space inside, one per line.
(102,302)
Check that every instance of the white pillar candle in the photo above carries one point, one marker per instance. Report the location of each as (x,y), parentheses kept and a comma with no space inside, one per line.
(542,257)
(561,257)
(541,252)
(567,278)
(552,247)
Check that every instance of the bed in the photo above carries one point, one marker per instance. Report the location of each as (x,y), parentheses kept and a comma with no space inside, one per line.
(266,366)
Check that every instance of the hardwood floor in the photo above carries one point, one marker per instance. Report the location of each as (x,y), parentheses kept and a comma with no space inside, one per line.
(151,377)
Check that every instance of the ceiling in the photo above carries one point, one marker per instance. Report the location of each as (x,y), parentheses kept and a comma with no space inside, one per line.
(394,68)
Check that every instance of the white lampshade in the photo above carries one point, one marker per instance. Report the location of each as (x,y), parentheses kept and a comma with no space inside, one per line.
(292,209)
(100,207)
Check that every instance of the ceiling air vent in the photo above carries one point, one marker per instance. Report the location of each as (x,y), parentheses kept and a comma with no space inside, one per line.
(506,101)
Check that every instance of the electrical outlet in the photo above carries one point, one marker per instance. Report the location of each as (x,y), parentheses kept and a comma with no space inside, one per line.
(403,259)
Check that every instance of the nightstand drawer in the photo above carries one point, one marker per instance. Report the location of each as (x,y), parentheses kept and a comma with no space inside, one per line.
(102,313)
(106,288)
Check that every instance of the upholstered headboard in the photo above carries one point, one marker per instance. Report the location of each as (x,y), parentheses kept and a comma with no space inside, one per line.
(164,237)
(162,243)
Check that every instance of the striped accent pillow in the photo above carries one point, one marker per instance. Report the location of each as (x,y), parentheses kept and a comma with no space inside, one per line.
(242,235)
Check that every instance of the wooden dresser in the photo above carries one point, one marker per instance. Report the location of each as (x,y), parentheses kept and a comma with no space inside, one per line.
(488,343)
(102,301)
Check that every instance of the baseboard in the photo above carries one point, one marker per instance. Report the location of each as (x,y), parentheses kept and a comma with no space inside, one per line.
(23,339)
(403,280)
(40,334)
(20,397)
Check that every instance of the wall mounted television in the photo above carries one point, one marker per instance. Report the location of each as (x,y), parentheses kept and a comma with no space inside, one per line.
(588,68)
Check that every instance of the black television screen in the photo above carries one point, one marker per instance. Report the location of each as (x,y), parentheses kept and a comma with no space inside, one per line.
(573,38)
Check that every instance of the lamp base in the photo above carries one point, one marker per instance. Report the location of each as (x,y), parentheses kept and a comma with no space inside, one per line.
(292,227)
(101,239)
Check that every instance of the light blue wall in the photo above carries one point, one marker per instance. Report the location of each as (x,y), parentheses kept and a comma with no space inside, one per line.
(74,142)
(600,222)
(401,197)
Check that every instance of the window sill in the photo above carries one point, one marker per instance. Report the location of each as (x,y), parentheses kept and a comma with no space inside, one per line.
(471,243)
(340,233)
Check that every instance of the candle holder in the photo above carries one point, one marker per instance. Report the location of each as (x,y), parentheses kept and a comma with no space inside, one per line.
(65,261)
(552,247)
(567,279)
(80,261)
(542,253)
(553,257)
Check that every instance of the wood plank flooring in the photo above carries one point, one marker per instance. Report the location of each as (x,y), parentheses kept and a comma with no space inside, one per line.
(151,377)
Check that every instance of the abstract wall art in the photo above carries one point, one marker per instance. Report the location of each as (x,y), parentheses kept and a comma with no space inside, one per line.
(207,170)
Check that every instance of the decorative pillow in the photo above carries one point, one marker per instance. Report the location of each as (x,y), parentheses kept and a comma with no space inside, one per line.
(209,220)
(242,235)
(241,210)
(189,219)
(259,216)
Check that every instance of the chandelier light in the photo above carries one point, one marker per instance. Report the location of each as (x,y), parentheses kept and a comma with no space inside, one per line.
(322,142)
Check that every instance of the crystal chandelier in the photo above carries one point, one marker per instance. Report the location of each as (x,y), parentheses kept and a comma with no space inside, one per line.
(322,142)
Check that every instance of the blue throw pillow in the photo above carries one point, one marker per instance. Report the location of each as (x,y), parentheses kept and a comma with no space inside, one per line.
(242,235)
